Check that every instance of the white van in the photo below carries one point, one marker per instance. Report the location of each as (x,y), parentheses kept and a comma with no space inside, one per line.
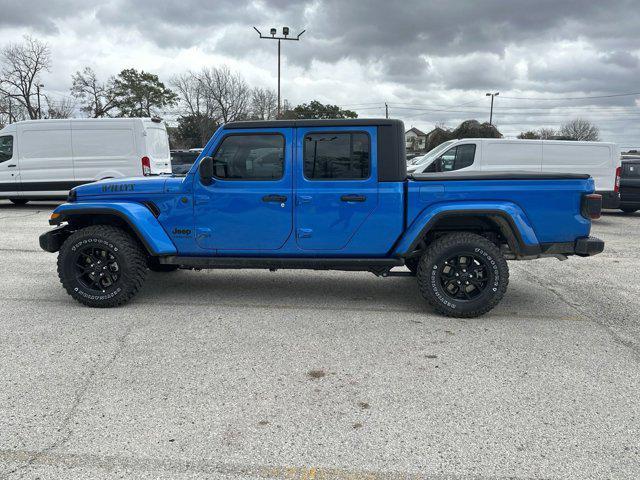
(44,159)
(599,159)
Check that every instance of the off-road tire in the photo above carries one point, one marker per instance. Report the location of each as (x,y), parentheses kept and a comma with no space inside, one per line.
(18,201)
(156,266)
(433,261)
(629,209)
(131,261)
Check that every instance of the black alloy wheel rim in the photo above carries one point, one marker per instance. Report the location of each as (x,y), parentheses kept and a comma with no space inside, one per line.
(464,277)
(96,269)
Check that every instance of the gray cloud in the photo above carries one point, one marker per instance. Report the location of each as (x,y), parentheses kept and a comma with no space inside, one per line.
(420,51)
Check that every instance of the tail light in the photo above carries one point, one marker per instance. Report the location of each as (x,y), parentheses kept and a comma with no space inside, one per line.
(591,206)
(616,186)
(146,166)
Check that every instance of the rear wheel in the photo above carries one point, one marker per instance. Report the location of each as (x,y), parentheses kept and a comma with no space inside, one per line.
(463,275)
(101,266)
(629,209)
(18,201)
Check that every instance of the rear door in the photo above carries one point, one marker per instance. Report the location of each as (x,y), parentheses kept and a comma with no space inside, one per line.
(249,205)
(157,147)
(596,159)
(336,184)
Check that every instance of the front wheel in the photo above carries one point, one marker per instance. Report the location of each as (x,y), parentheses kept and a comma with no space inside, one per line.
(463,275)
(18,201)
(101,266)
(629,209)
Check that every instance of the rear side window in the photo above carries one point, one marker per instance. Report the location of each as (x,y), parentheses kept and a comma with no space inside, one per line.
(337,156)
(631,170)
(6,148)
(458,157)
(250,157)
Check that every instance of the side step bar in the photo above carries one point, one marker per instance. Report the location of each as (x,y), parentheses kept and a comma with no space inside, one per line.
(353,264)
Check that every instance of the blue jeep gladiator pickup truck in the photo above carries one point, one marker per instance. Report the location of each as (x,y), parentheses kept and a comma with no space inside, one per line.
(320,194)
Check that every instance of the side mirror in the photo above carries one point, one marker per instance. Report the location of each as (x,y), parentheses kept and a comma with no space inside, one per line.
(206,170)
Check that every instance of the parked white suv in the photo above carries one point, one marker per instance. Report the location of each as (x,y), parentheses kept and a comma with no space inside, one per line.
(44,159)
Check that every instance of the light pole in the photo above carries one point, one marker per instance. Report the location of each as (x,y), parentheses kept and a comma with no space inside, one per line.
(492,95)
(285,36)
(38,87)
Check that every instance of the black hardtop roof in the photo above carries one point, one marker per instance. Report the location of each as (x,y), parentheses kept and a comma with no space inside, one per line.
(348,122)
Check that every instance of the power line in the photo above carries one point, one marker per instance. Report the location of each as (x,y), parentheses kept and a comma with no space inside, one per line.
(632,94)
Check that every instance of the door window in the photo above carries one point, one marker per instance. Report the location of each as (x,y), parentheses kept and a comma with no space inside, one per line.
(250,157)
(337,156)
(6,148)
(458,157)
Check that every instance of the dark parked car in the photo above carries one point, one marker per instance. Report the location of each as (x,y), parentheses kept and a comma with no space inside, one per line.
(630,185)
(181,160)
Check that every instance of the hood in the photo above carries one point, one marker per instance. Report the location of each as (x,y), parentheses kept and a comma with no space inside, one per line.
(124,186)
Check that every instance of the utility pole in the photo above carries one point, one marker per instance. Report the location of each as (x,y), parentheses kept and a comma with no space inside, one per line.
(492,95)
(285,33)
(386,110)
(38,87)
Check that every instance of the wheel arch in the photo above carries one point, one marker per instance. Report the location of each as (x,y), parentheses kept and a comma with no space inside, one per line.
(136,218)
(510,225)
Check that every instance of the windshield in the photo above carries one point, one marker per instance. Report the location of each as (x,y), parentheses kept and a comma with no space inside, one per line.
(432,154)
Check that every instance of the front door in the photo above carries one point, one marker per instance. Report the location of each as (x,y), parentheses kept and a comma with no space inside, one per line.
(336,185)
(8,167)
(249,205)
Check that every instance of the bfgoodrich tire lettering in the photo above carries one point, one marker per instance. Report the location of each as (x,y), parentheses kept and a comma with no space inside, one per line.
(81,267)
(463,275)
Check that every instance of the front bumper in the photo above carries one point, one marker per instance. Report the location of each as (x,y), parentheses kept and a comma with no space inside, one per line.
(52,240)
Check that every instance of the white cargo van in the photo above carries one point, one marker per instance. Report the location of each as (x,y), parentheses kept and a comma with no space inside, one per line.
(599,159)
(44,159)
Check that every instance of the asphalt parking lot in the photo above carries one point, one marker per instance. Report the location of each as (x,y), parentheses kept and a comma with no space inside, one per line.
(293,374)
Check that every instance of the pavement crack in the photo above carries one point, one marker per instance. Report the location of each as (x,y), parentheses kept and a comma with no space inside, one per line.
(65,427)
(547,285)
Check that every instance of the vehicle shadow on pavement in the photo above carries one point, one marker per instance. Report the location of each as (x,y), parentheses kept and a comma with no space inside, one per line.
(286,289)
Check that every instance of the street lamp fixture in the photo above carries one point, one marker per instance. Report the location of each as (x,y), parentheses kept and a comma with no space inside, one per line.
(492,95)
(285,36)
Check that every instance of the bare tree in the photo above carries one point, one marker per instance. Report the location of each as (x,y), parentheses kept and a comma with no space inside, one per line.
(580,129)
(20,67)
(264,104)
(63,108)
(547,133)
(198,118)
(226,92)
(96,97)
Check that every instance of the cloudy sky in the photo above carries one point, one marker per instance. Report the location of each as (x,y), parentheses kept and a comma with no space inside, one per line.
(431,61)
